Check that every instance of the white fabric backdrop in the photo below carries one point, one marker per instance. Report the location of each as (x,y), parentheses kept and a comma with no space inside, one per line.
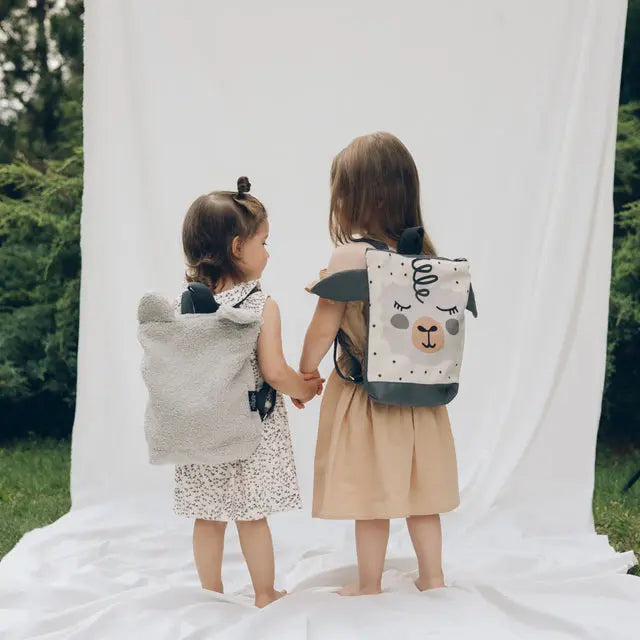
(510,111)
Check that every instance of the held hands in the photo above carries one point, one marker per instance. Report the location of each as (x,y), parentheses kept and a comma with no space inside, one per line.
(314,385)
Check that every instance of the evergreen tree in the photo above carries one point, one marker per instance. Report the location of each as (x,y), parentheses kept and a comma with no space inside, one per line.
(41,66)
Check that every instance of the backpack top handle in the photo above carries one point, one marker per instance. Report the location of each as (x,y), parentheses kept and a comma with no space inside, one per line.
(197,298)
(411,241)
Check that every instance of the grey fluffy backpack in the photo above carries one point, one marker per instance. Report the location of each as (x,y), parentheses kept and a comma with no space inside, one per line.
(203,406)
(415,321)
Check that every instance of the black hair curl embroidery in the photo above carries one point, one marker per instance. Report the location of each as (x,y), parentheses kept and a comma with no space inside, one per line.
(422,278)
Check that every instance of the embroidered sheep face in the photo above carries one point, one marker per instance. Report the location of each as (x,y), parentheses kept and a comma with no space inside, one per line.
(416,326)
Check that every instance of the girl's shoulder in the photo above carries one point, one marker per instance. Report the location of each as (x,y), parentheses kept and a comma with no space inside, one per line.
(348,256)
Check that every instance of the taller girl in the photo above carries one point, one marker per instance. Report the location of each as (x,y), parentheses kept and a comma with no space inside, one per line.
(375,461)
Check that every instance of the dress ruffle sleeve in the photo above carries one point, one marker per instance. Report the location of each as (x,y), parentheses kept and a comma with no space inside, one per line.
(323,274)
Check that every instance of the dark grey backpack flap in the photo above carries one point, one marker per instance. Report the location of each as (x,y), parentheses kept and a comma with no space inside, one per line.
(411,395)
(343,286)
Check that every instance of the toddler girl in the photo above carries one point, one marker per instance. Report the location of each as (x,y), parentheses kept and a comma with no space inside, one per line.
(224,236)
(375,461)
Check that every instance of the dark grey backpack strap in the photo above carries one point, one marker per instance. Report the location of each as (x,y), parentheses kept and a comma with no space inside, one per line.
(262,400)
(254,290)
(376,243)
(356,367)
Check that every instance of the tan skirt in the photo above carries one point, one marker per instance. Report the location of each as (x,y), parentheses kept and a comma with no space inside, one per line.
(379,461)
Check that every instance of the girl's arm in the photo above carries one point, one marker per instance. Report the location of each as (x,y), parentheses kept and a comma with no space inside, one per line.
(321,333)
(271,360)
(328,314)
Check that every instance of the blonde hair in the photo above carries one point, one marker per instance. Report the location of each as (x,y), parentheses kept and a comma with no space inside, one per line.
(375,191)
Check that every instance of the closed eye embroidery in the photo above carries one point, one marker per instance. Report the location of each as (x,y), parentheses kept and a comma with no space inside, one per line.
(451,311)
(398,306)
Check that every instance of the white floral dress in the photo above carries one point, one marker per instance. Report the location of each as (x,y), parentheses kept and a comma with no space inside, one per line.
(250,489)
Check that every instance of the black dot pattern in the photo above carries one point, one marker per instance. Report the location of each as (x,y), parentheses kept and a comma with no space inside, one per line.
(382,315)
(250,489)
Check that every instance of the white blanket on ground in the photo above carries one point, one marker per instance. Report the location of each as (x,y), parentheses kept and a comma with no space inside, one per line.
(123,571)
(510,111)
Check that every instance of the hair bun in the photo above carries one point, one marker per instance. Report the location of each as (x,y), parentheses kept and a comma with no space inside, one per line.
(243,185)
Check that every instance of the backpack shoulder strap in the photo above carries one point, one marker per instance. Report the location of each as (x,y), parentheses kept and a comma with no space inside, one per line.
(376,243)
(254,290)
(410,241)
(356,367)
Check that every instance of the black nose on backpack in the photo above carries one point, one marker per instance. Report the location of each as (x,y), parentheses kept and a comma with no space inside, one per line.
(421,328)
(427,335)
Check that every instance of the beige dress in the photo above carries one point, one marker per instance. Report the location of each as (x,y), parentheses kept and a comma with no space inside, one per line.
(375,460)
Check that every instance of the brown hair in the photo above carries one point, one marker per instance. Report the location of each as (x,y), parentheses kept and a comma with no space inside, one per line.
(375,191)
(212,222)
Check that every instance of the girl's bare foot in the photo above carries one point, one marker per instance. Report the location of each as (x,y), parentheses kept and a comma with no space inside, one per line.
(424,584)
(355,589)
(263,599)
(214,586)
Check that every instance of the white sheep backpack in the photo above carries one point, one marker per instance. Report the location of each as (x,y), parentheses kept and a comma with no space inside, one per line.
(203,406)
(416,313)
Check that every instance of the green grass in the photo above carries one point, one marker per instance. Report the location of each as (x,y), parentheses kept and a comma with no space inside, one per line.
(617,514)
(34,491)
(34,487)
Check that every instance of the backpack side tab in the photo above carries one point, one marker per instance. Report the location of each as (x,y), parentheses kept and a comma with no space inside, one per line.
(343,286)
(471,302)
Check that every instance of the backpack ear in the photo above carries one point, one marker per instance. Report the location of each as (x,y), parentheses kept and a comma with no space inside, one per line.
(154,308)
(410,243)
(343,286)
(471,302)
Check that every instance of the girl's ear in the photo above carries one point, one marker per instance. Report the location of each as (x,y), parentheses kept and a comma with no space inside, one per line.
(236,247)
